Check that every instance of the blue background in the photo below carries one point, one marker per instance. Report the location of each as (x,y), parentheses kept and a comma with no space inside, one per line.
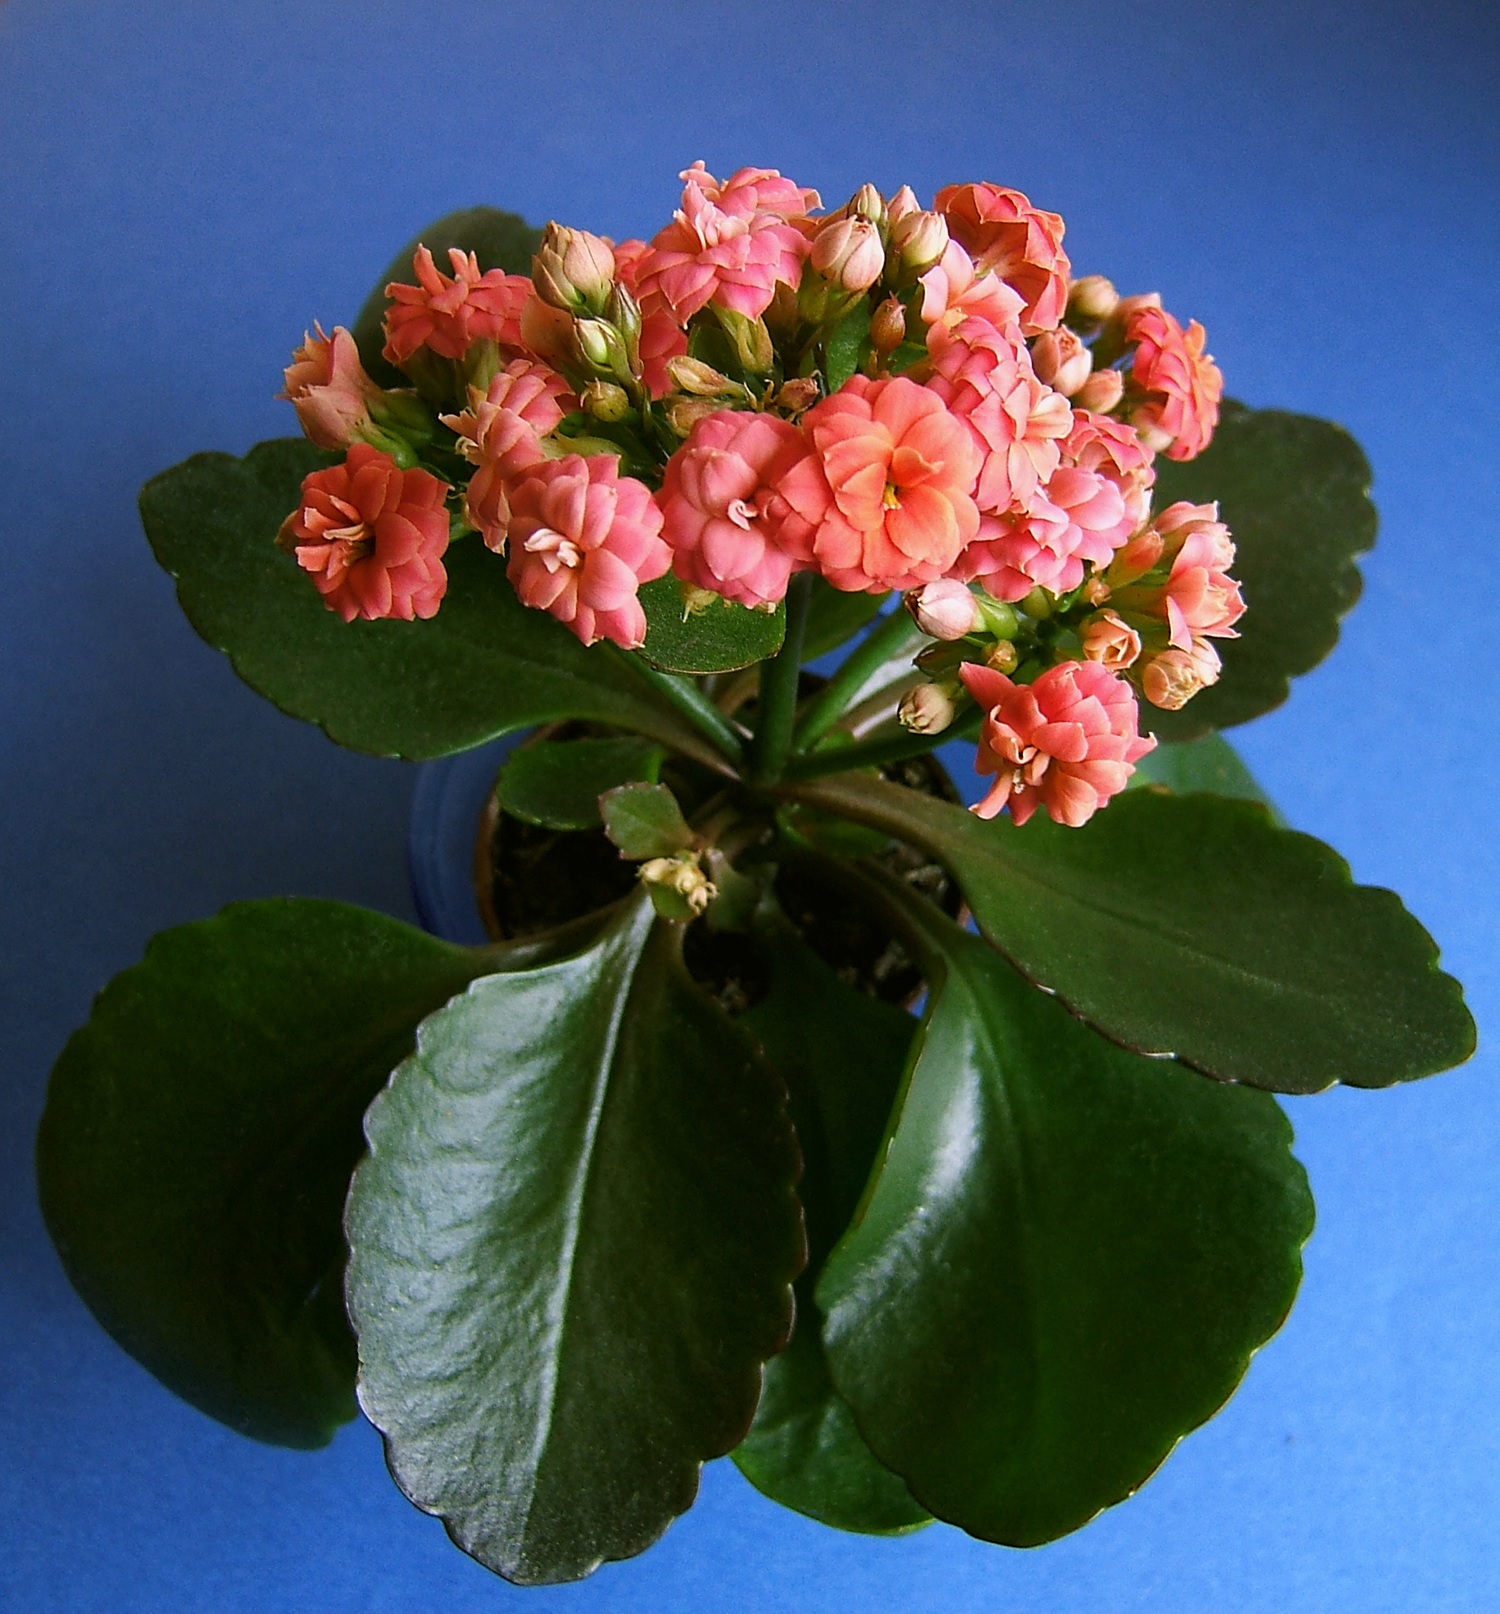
(185,187)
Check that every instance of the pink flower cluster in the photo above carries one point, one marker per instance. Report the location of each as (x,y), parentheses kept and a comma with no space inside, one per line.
(647,406)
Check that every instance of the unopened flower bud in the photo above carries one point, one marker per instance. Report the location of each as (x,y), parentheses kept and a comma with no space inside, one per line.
(602,346)
(678,887)
(1110,641)
(919,239)
(1171,679)
(573,269)
(1091,300)
(1151,434)
(548,332)
(1061,361)
(849,253)
(945,609)
(685,413)
(700,379)
(752,341)
(800,393)
(1002,657)
(605,401)
(866,203)
(902,203)
(888,326)
(1101,391)
(927,709)
(1096,591)
(1136,558)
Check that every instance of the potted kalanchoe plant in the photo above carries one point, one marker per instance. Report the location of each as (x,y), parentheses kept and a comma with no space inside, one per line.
(924,1159)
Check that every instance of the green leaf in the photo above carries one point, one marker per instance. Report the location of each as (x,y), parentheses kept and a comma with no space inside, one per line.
(499,240)
(1208,764)
(485,665)
(558,783)
(841,1054)
(834,617)
(721,637)
(1064,1262)
(198,1140)
(644,821)
(1295,494)
(1192,925)
(845,343)
(572,1246)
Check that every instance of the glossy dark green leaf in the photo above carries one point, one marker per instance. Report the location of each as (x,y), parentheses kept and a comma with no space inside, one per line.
(572,1247)
(644,821)
(198,1140)
(841,1054)
(497,239)
(721,637)
(845,344)
(1209,764)
(1295,493)
(1192,925)
(558,783)
(1064,1263)
(834,616)
(483,666)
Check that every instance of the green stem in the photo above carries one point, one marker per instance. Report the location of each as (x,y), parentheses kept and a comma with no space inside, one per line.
(776,710)
(685,698)
(873,753)
(881,644)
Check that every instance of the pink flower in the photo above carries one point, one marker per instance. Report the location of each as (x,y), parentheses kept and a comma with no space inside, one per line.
(502,433)
(1171,679)
(328,387)
(662,338)
(372,536)
(1067,742)
(1020,243)
(952,291)
(848,253)
(722,512)
(1061,361)
(1022,550)
(1111,451)
(1181,382)
(728,244)
(583,539)
(986,379)
(449,316)
(1110,641)
(1198,596)
(889,488)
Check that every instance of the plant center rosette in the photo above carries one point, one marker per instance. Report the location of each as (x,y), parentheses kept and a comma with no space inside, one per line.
(773,1153)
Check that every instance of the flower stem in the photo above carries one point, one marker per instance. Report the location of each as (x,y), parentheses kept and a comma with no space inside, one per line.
(881,749)
(886,640)
(776,710)
(685,697)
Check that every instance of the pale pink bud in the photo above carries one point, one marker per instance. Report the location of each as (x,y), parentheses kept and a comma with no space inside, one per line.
(1100,392)
(1092,299)
(927,709)
(888,326)
(1110,641)
(573,269)
(945,609)
(901,204)
(848,252)
(1136,558)
(1171,679)
(920,239)
(1061,361)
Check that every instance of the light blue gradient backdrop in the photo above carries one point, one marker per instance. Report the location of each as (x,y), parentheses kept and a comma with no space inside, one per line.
(185,187)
